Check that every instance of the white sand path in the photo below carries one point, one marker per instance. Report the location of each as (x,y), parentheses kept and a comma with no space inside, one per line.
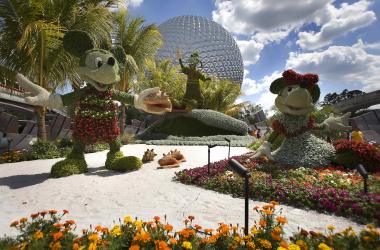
(102,196)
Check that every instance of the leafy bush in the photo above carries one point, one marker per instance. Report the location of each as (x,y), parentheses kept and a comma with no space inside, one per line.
(43,150)
(68,167)
(46,230)
(351,153)
(93,148)
(126,164)
(126,138)
(324,189)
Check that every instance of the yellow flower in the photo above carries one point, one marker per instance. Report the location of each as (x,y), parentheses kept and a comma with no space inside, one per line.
(75,246)
(38,235)
(302,244)
(281,248)
(268,212)
(282,220)
(293,247)
(265,243)
(323,246)
(251,245)
(138,223)
(187,245)
(331,228)
(92,246)
(56,246)
(93,237)
(237,239)
(127,219)
(254,230)
(116,231)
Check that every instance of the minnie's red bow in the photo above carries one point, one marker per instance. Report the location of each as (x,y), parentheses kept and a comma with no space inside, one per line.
(307,80)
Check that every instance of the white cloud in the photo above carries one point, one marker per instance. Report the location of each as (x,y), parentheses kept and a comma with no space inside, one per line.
(249,17)
(133,3)
(341,21)
(250,51)
(340,65)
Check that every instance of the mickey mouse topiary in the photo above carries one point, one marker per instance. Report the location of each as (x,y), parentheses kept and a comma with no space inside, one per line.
(95,114)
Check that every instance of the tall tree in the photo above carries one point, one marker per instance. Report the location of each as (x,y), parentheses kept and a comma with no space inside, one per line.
(31,40)
(140,42)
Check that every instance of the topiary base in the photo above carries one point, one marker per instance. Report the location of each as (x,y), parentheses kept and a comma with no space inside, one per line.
(111,157)
(68,167)
(126,164)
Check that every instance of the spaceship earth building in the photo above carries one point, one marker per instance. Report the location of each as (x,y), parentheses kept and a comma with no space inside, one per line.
(218,50)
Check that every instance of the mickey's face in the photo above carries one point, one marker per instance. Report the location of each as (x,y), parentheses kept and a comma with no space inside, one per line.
(294,100)
(99,68)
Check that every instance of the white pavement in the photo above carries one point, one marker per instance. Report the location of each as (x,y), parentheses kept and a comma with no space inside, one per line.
(102,196)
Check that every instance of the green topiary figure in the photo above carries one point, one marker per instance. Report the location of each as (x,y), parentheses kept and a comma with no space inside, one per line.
(95,114)
(193,97)
(297,95)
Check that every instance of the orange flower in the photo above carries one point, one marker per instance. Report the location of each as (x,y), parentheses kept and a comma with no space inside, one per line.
(15,223)
(56,246)
(208,231)
(282,220)
(145,237)
(156,218)
(277,230)
(161,245)
(187,233)
(53,211)
(263,223)
(75,246)
(284,244)
(57,225)
(70,222)
(274,203)
(34,215)
(168,227)
(43,213)
(268,206)
(38,235)
(134,247)
(268,212)
(105,230)
(275,236)
(57,236)
(23,220)
(98,228)
(65,211)
(191,217)
(172,241)
(93,237)
(198,227)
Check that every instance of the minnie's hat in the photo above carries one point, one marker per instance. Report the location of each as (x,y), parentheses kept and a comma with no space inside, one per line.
(290,77)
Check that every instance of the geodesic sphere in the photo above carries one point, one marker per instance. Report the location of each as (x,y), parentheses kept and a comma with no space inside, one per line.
(217,48)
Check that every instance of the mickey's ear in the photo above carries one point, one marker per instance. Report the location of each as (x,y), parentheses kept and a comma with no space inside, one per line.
(76,42)
(277,85)
(119,54)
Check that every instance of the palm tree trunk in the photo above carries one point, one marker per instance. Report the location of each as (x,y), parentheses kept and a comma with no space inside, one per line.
(41,123)
(122,118)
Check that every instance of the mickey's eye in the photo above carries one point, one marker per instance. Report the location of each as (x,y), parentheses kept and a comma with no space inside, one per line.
(290,89)
(98,62)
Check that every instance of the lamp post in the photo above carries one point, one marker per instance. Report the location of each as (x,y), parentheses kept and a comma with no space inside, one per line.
(229,146)
(363,172)
(243,172)
(208,164)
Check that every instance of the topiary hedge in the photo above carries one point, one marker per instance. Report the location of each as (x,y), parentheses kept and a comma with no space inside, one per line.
(126,164)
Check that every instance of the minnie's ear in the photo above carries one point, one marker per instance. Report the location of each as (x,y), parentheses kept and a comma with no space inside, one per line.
(76,42)
(277,85)
(119,54)
(315,92)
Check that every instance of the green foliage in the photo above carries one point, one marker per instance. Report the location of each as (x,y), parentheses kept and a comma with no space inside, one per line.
(92,148)
(322,114)
(126,164)
(68,167)
(255,145)
(77,42)
(164,75)
(111,157)
(219,95)
(126,139)
(43,150)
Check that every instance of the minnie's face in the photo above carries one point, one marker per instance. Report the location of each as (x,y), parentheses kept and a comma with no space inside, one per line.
(294,100)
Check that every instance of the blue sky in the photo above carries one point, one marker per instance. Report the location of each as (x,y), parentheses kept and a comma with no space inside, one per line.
(339,40)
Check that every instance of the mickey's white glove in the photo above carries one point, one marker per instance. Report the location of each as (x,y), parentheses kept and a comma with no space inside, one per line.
(139,99)
(153,101)
(38,96)
(337,123)
(263,150)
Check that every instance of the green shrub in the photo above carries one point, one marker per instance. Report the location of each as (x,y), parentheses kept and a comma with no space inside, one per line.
(111,157)
(92,148)
(68,167)
(65,143)
(126,164)
(43,150)
(126,138)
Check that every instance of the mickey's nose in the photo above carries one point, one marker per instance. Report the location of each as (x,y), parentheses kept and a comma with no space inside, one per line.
(111,61)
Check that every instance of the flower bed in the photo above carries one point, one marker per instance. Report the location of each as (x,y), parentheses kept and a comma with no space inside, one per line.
(333,190)
(46,230)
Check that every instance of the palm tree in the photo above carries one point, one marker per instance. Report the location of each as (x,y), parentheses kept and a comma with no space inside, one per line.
(31,40)
(139,42)
(219,95)
(166,76)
